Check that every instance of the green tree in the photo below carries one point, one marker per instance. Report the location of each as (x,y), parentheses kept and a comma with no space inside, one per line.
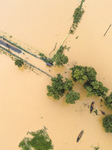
(19,62)
(25,144)
(107,123)
(57,88)
(78,14)
(71,97)
(42,56)
(68,84)
(83,73)
(59,58)
(79,11)
(91,73)
(108,101)
(39,141)
(79,73)
(95,88)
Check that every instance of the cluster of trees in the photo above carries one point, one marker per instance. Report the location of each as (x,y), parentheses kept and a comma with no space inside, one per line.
(19,62)
(82,74)
(39,141)
(59,58)
(87,75)
(59,87)
(79,11)
(95,88)
(71,97)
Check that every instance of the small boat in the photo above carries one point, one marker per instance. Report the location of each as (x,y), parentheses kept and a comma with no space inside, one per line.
(80,135)
(103,113)
(91,107)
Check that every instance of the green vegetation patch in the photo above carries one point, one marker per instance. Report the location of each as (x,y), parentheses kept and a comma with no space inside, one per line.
(19,62)
(96,112)
(42,56)
(83,73)
(71,97)
(68,84)
(59,87)
(59,58)
(96,148)
(95,88)
(108,101)
(39,141)
(107,123)
(79,11)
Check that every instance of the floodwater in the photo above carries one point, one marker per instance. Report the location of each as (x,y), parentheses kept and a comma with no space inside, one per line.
(24,105)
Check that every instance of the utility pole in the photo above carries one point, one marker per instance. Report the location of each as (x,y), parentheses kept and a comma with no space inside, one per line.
(107,29)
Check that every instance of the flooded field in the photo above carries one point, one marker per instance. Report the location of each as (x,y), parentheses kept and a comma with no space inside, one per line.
(24,105)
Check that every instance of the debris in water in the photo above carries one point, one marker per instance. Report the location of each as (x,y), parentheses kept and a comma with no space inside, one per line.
(77,37)
(96,148)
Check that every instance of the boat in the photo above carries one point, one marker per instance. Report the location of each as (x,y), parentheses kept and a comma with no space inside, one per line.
(91,107)
(80,135)
(103,113)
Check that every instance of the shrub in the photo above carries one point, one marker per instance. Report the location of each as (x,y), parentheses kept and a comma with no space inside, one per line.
(68,84)
(71,97)
(95,88)
(19,62)
(42,56)
(107,123)
(108,101)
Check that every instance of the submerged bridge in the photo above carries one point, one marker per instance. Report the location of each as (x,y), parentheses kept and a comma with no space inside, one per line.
(7,45)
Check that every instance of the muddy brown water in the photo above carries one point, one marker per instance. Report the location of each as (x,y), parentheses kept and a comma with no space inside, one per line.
(24,105)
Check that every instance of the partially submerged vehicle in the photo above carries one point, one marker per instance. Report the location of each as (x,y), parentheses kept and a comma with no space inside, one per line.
(91,107)
(50,64)
(80,135)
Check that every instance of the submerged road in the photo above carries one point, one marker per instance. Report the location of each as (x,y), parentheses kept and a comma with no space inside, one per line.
(9,46)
